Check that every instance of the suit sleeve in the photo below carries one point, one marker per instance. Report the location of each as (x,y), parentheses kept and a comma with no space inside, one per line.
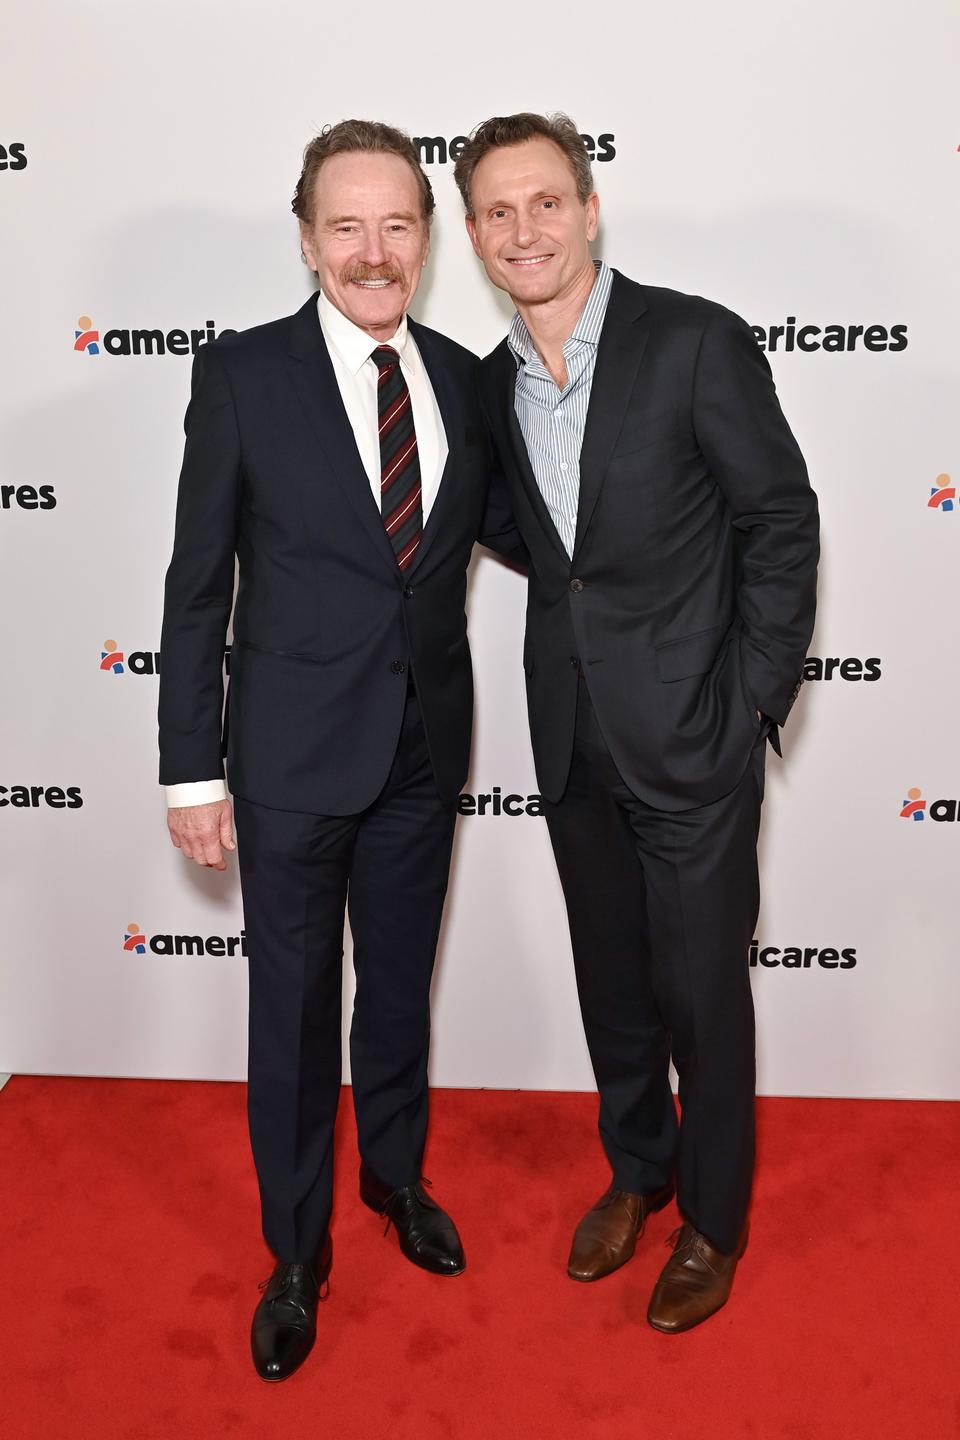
(498,529)
(757,463)
(198,594)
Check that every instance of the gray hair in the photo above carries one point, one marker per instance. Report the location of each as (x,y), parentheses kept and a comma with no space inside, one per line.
(358,135)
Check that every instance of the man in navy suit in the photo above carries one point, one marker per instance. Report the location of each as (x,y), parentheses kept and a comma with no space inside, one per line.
(339,456)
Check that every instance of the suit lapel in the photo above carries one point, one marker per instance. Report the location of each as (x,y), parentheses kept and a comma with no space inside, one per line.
(316,386)
(623,340)
(505,384)
(450,405)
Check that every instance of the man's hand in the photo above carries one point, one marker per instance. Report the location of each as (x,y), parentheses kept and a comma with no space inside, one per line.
(200,831)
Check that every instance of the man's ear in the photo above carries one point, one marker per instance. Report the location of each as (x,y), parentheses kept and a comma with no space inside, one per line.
(471,225)
(593,215)
(306,246)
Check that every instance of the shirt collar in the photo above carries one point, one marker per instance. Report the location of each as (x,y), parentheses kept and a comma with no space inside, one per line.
(354,346)
(588,326)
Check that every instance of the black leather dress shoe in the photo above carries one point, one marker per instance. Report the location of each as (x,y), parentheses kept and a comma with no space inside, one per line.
(285,1321)
(426,1233)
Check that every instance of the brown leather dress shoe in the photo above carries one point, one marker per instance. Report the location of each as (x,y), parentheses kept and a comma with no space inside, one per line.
(694,1283)
(607,1235)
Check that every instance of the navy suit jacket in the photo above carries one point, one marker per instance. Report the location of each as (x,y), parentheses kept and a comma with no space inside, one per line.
(325,627)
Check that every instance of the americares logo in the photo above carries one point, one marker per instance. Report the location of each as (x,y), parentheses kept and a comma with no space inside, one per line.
(13,156)
(496,803)
(27,497)
(832,667)
(830,337)
(87,340)
(114,661)
(438,150)
(803,957)
(31,797)
(135,942)
(112,658)
(914,807)
(943,495)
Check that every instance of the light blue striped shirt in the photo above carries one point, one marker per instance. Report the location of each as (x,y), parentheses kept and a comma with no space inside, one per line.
(552,420)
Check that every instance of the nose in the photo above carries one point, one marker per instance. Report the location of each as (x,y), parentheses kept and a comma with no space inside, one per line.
(373,250)
(525,232)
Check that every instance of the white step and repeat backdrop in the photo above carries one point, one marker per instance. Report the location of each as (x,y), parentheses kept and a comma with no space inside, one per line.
(797,163)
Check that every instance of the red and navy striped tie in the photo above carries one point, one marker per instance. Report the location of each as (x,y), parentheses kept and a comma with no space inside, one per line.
(400,498)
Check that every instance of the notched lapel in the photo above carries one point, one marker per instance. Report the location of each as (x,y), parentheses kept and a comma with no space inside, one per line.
(317,389)
(450,405)
(623,340)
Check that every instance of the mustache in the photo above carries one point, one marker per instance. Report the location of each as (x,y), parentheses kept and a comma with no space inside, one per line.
(360,271)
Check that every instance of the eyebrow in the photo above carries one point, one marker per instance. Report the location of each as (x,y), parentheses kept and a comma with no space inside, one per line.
(358,219)
(505,204)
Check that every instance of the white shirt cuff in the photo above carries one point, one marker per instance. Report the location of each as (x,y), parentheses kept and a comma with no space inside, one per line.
(196,792)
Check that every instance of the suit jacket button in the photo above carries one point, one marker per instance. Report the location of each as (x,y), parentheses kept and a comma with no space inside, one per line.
(574,661)
(576,586)
(408,592)
(397,666)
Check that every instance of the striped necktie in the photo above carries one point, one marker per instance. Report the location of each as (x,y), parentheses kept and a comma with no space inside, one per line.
(400,500)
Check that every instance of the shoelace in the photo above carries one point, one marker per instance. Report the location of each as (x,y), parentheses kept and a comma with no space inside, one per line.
(323,1290)
(685,1250)
(394,1193)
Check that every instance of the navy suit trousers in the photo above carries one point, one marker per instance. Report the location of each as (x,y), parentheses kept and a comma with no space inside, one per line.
(388,865)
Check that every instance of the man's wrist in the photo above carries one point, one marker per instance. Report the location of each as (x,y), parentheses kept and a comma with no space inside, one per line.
(196,792)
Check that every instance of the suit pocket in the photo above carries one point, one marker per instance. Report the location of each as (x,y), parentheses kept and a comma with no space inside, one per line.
(284,654)
(691,654)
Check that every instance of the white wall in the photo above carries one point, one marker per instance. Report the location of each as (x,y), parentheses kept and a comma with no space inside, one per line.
(787,161)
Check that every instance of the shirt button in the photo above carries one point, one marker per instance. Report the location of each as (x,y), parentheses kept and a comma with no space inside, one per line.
(564,465)
(576,586)
(397,666)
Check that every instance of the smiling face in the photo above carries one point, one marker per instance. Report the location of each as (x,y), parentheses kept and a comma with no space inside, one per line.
(367,239)
(529,226)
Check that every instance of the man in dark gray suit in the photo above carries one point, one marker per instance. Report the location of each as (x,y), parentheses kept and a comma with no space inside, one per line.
(673,541)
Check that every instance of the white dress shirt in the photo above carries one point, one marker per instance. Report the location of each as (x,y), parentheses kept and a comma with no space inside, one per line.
(350,349)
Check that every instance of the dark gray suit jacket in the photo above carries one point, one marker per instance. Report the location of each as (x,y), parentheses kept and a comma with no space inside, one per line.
(690,599)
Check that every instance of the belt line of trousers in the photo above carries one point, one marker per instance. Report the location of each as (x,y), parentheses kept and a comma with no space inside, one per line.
(662,908)
(389,866)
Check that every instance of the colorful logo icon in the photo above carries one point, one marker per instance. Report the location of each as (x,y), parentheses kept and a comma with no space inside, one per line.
(86,338)
(111,657)
(943,495)
(914,807)
(135,942)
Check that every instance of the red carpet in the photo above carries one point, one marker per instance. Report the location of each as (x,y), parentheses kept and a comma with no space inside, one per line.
(131,1255)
